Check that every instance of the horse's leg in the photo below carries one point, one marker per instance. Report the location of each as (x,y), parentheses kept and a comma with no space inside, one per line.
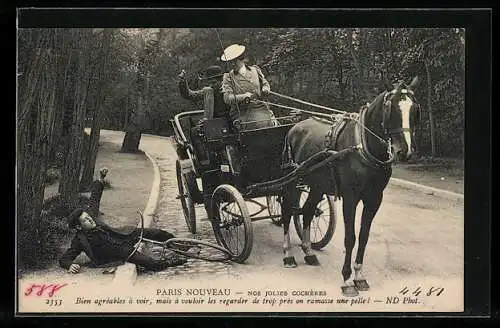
(290,199)
(349,208)
(308,211)
(371,204)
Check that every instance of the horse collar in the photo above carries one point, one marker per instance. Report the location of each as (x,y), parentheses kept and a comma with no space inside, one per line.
(361,139)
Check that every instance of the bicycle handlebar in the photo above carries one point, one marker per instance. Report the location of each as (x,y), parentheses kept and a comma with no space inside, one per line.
(139,242)
(170,244)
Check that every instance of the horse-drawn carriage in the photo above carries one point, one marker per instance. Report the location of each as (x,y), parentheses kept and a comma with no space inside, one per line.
(347,155)
(237,201)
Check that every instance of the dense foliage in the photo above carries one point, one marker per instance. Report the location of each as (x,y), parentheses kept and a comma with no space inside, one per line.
(340,68)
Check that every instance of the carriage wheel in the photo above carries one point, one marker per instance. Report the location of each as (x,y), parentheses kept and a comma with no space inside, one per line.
(231,222)
(323,223)
(207,251)
(186,199)
(274,208)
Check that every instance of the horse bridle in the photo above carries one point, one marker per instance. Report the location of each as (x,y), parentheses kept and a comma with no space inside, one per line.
(388,133)
(386,114)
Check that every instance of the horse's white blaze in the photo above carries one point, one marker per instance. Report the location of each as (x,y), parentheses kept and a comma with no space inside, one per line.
(405,106)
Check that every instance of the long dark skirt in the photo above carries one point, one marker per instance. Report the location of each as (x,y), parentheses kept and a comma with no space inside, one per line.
(255,116)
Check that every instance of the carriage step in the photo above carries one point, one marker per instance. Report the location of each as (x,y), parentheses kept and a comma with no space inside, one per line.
(181,196)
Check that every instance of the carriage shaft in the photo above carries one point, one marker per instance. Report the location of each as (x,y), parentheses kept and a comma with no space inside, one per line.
(303,169)
(260,218)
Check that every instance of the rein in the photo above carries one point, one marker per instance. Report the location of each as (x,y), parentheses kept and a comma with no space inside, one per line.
(293,108)
(335,117)
(358,118)
(308,103)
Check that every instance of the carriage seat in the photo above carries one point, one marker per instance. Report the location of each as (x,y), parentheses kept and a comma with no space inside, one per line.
(216,129)
(191,129)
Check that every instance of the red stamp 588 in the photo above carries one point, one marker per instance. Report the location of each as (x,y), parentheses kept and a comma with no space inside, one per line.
(41,289)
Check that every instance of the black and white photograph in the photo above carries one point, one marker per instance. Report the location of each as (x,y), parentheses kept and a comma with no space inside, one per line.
(240,169)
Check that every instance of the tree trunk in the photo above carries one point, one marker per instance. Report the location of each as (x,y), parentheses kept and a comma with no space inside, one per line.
(61,91)
(353,96)
(132,137)
(429,106)
(34,141)
(133,132)
(68,188)
(147,57)
(93,146)
(391,69)
(127,110)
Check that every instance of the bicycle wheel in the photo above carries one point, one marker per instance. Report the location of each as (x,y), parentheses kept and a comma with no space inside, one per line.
(274,208)
(323,223)
(208,251)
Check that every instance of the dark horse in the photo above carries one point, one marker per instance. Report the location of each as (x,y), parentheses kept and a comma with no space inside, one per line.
(382,129)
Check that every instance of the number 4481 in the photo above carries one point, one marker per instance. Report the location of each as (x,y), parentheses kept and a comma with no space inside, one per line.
(53,302)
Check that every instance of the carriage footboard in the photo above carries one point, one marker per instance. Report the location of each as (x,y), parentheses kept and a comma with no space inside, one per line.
(303,169)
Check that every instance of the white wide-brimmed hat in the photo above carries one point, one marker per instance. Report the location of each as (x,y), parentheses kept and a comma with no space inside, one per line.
(232,52)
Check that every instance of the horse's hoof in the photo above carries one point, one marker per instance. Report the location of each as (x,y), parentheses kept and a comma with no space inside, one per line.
(349,291)
(311,260)
(361,285)
(289,262)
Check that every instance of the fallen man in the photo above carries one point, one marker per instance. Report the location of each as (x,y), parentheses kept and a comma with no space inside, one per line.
(106,246)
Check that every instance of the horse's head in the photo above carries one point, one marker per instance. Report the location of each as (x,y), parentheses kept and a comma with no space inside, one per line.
(400,117)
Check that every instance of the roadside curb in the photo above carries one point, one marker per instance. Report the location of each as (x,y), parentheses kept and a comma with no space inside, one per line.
(127,273)
(156,136)
(427,190)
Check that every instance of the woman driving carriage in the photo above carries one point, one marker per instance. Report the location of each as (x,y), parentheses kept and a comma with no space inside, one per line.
(242,84)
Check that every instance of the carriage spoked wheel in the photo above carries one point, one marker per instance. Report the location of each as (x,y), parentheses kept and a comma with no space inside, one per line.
(186,199)
(231,222)
(274,208)
(323,223)
(207,251)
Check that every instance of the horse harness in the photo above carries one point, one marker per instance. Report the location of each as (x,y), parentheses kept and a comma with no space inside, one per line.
(360,134)
(361,139)
(331,140)
(330,144)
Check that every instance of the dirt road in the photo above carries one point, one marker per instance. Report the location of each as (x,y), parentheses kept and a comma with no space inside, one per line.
(413,262)
(416,241)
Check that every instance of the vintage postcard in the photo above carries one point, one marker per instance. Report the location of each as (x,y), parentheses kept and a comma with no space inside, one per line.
(240,170)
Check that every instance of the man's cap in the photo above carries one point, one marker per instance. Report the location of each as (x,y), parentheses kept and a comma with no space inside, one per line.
(73,216)
(211,72)
(232,52)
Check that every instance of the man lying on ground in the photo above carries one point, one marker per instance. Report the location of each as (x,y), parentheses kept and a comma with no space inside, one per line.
(105,245)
